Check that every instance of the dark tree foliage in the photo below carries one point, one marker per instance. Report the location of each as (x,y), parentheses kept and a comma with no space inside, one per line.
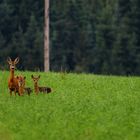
(97,36)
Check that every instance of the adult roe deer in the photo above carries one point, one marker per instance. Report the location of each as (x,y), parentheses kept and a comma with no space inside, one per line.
(12,81)
(37,88)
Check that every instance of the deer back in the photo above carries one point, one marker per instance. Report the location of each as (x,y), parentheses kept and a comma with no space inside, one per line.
(45,89)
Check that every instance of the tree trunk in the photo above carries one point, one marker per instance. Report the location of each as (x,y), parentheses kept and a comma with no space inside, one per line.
(46,38)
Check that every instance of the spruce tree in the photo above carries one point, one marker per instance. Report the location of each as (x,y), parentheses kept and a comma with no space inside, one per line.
(121,48)
(105,36)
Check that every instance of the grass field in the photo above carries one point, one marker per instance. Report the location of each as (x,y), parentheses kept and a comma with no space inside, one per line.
(81,107)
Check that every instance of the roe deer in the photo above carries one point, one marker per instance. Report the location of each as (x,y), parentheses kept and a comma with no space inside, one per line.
(12,81)
(21,86)
(37,88)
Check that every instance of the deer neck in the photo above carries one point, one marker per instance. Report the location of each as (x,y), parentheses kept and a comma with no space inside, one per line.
(11,74)
(36,87)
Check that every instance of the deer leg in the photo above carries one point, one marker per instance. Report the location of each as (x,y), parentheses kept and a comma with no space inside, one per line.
(10,93)
(15,91)
(36,93)
(19,93)
(28,93)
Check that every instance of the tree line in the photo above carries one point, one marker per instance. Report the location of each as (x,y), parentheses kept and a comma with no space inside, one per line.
(97,36)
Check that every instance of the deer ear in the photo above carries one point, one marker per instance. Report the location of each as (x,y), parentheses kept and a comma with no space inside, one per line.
(39,76)
(32,76)
(16,60)
(9,60)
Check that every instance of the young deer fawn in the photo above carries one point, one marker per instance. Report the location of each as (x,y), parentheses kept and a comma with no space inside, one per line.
(12,81)
(38,89)
(21,86)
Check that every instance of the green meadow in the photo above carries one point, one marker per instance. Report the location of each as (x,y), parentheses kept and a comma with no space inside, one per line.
(81,107)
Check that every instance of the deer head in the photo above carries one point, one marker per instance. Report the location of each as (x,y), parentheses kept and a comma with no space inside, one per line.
(21,81)
(12,63)
(35,79)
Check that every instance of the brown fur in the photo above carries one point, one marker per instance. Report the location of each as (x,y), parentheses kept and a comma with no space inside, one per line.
(28,90)
(37,88)
(21,84)
(12,81)
(45,89)
(22,89)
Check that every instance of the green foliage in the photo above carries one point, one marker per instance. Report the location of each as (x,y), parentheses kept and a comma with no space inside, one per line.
(98,36)
(81,107)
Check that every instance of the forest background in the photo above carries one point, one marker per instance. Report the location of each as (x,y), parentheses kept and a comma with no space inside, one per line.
(91,36)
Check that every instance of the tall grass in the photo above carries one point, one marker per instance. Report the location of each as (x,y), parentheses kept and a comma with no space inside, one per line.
(81,107)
